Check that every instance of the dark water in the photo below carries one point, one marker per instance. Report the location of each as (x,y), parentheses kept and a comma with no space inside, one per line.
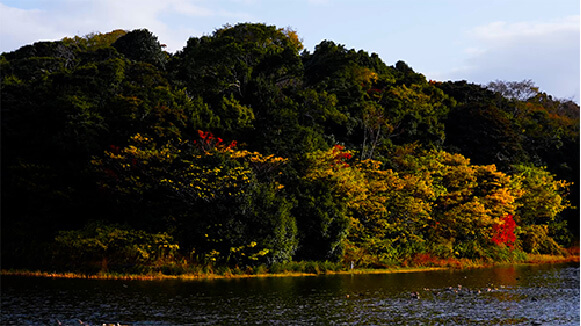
(518,295)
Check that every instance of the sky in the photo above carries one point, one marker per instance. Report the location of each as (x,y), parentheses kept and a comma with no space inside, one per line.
(474,40)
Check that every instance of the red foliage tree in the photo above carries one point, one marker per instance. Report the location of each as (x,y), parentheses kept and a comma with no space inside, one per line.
(504,232)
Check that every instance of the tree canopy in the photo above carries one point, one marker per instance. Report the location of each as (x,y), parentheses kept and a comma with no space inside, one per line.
(243,148)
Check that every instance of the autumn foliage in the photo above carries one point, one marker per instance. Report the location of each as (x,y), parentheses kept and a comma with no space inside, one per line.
(504,232)
(241,150)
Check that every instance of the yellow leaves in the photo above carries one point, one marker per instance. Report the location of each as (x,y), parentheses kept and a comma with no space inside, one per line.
(371,165)
(257,157)
(293,37)
(542,196)
(114,156)
(364,75)
(130,150)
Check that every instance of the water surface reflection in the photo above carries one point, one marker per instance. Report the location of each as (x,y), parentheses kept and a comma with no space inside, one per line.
(512,295)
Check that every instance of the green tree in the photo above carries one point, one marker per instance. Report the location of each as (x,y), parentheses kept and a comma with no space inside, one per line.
(514,90)
(544,197)
(221,198)
(112,246)
(94,41)
(141,45)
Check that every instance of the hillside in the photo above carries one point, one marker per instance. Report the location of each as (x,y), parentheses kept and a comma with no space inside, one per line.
(244,149)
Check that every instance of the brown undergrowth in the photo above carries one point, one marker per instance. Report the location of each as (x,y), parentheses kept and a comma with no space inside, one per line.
(419,263)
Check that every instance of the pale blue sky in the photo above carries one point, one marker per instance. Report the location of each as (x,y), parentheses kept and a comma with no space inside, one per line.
(476,40)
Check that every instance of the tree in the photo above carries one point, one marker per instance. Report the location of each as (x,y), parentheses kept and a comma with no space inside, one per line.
(467,200)
(141,45)
(514,90)
(414,114)
(543,200)
(340,155)
(485,134)
(94,41)
(221,198)
(112,246)
(331,188)
(388,226)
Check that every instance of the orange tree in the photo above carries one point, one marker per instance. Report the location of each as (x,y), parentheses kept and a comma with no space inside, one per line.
(430,201)
(357,211)
(467,200)
(387,226)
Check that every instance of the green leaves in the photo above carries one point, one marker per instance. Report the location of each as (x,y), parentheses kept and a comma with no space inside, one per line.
(543,197)
(114,244)
(340,155)
(141,45)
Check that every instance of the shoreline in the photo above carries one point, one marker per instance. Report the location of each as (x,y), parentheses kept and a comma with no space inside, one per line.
(534,260)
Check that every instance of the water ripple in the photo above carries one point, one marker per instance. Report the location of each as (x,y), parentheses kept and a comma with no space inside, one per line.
(526,295)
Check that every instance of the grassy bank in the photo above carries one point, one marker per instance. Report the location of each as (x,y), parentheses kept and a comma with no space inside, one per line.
(299,269)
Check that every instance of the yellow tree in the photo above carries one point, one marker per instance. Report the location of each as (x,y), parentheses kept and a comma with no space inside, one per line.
(539,209)
(330,191)
(468,199)
(220,197)
(388,225)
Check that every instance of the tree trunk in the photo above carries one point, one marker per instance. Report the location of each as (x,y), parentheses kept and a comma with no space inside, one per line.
(104,263)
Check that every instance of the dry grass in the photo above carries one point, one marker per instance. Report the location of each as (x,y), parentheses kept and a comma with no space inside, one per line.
(538,259)
(423,262)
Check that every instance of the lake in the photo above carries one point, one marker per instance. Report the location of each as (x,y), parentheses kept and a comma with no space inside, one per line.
(545,294)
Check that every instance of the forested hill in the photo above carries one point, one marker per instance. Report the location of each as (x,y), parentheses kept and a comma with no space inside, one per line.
(244,148)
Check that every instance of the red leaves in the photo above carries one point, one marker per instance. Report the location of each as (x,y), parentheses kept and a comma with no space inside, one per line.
(114,149)
(340,157)
(346,156)
(208,141)
(504,232)
(373,91)
(204,134)
(339,154)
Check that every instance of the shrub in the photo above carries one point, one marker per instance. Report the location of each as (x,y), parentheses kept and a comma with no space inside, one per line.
(443,249)
(329,266)
(311,267)
(500,253)
(276,268)
(535,240)
(260,269)
(470,249)
(503,233)
(224,270)
(207,269)
(423,260)
(236,271)
(296,266)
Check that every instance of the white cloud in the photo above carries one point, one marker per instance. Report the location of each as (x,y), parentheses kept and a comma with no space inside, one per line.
(546,52)
(21,25)
(503,31)
(188,8)
(319,2)
(71,17)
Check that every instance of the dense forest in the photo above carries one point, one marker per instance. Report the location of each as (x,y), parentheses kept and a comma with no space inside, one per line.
(245,149)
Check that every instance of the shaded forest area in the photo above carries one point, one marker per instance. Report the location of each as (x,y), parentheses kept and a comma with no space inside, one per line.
(245,149)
